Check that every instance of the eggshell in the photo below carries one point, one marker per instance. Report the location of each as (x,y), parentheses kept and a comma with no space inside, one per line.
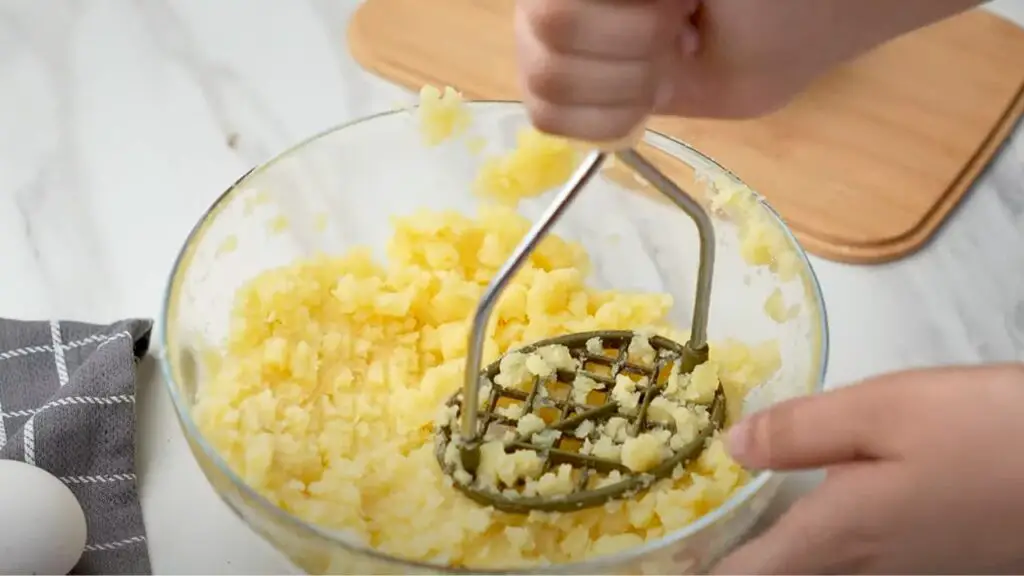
(42,526)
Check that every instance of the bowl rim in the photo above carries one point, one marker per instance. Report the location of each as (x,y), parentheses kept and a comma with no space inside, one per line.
(281,516)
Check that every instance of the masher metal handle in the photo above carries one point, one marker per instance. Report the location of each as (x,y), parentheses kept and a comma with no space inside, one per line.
(587,170)
(705,234)
(474,355)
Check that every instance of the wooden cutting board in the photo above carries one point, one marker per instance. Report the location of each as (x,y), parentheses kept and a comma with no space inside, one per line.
(864,167)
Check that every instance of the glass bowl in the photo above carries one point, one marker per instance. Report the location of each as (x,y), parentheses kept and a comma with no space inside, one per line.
(340,189)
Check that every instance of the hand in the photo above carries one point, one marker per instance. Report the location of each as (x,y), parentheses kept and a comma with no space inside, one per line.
(925,475)
(595,69)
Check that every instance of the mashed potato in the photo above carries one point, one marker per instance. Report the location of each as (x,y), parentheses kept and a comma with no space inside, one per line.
(538,163)
(335,368)
(441,114)
(325,394)
(678,416)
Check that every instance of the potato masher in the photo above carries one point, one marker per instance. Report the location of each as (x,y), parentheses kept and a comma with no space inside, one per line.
(601,358)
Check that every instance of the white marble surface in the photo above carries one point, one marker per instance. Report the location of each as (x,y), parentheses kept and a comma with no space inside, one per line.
(120,121)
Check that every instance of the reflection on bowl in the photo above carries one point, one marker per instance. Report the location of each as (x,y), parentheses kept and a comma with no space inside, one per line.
(307,371)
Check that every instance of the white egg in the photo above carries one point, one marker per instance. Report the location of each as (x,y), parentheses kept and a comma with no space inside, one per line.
(42,526)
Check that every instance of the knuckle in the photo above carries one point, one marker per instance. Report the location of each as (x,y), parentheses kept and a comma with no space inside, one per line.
(612,128)
(545,78)
(547,117)
(629,122)
(773,432)
(551,21)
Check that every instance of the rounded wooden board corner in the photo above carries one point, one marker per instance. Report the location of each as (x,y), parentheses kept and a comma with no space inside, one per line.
(932,223)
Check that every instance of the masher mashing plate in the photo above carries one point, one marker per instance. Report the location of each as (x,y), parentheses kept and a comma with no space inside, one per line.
(597,476)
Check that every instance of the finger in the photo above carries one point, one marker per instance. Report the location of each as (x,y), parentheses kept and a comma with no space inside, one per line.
(853,423)
(619,29)
(689,40)
(591,123)
(669,65)
(825,532)
(562,78)
(689,35)
(689,7)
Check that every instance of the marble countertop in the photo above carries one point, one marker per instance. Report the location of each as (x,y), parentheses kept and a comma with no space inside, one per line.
(120,122)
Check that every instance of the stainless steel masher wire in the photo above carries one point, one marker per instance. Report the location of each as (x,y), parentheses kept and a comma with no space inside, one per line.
(590,166)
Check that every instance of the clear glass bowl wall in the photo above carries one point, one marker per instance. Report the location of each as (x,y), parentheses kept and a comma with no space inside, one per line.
(358,176)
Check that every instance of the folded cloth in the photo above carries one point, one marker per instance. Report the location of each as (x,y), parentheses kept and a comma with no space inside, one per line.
(67,405)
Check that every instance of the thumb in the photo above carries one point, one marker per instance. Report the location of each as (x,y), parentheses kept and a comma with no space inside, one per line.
(672,61)
(853,423)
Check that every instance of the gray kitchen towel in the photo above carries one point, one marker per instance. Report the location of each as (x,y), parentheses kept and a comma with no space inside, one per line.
(67,405)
